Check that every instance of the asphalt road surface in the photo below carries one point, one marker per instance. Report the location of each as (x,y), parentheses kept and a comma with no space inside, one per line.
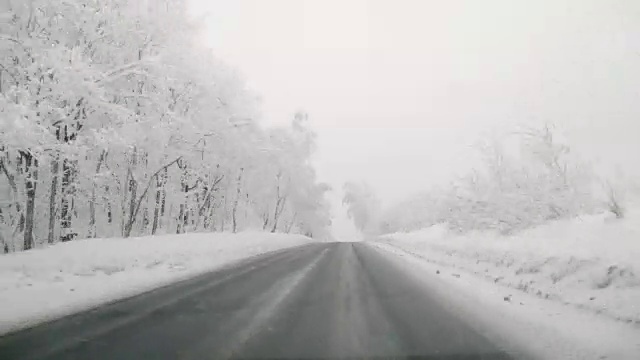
(319,301)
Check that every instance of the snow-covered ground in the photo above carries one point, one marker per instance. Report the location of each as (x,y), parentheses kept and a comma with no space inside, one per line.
(527,326)
(44,284)
(591,263)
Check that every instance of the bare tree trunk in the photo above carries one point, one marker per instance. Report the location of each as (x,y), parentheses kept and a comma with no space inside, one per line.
(31,169)
(278,210)
(53,195)
(133,186)
(205,210)
(185,209)
(247,204)
(18,207)
(223,218)
(293,221)
(136,207)
(163,202)
(156,212)
(145,220)
(184,187)
(68,133)
(92,203)
(279,199)
(159,201)
(234,220)
(210,220)
(181,219)
(21,219)
(108,208)
(235,202)
(68,195)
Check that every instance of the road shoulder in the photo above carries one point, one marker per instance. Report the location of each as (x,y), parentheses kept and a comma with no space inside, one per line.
(46,284)
(520,322)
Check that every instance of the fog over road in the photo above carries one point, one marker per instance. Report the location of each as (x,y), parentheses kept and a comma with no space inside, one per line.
(325,300)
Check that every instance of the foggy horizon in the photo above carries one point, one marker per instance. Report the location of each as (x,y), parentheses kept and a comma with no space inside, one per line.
(419,83)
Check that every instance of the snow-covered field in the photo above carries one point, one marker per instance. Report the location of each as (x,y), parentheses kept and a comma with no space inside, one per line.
(44,284)
(592,263)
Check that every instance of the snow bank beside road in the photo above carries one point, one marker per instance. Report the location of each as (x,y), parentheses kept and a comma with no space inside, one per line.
(44,284)
(591,262)
(525,326)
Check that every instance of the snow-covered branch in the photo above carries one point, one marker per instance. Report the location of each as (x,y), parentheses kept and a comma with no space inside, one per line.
(98,98)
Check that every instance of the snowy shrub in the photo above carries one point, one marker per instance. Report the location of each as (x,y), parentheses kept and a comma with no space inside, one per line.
(511,192)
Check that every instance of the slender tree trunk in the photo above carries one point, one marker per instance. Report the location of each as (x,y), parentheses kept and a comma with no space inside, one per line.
(138,202)
(180,227)
(276,210)
(233,216)
(234,211)
(21,219)
(280,204)
(163,201)
(92,214)
(18,208)
(92,203)
(108,207)
(53,196)
(184,187)
(145,220)
(205,210)
(293,220)
(31,169)
(68,196)
(247,204)
(223,218)
(158,211)
(133,186)
(210,220)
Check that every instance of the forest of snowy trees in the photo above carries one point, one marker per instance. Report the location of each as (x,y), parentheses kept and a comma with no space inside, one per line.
(115,122)
(526,178)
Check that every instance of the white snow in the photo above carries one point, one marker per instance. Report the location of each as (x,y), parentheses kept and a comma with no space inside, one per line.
(588,265)
(525,325)
(45,284)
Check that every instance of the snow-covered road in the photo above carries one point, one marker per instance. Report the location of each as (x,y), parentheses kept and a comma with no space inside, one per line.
(329,300)
(337,300)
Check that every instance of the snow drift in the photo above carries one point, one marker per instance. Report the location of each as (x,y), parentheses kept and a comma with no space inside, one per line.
(590,262)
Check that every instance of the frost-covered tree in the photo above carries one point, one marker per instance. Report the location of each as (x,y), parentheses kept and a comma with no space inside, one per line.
(362,206)
(114,121)
(510,192)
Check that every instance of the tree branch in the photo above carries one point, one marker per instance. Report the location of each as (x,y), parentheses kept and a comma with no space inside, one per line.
(10,177)
(132,218)
(208,195)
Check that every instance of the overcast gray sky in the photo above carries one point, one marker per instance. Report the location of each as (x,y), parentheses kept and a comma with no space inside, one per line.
(399,90)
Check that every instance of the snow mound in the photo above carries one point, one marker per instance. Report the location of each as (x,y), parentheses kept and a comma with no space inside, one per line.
(589,262)
(48,283)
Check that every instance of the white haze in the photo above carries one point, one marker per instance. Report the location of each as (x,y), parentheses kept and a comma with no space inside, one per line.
(400,90)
